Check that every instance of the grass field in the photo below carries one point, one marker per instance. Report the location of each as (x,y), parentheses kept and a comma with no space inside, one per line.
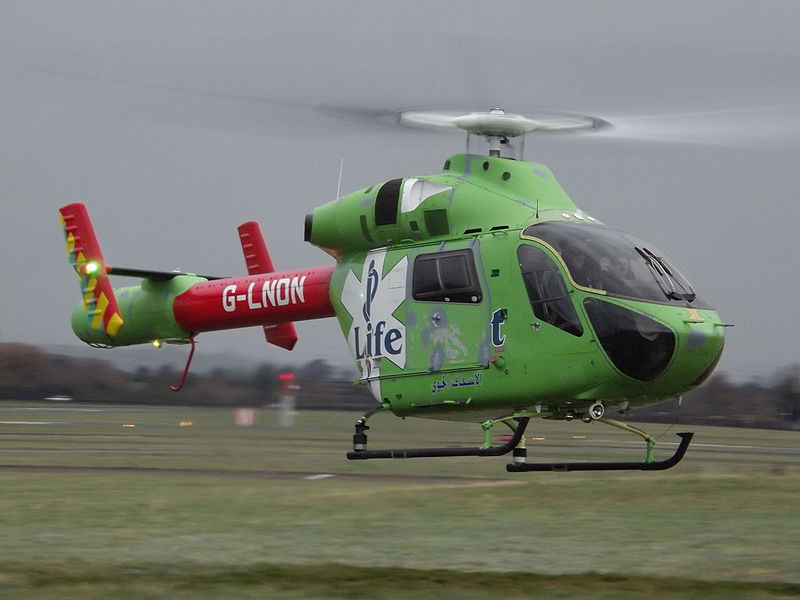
(164,502)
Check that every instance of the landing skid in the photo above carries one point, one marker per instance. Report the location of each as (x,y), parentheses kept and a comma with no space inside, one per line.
(659,465)
(360,451)
(518,423)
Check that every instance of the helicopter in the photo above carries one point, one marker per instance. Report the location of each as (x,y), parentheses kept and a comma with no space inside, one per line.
(480,293)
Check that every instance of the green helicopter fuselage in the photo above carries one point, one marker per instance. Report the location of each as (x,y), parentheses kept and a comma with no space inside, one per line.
(483,290)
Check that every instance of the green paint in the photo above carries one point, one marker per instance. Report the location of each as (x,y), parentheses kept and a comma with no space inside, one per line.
(146,310)
(461,298)
(542,368)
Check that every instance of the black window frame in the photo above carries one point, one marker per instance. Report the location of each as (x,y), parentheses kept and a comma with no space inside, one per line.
(463,294)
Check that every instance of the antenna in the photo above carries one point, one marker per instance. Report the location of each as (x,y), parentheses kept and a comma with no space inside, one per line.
(339,185)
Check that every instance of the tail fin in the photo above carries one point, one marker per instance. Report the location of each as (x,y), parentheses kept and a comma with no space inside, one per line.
(83,252)
(258,261)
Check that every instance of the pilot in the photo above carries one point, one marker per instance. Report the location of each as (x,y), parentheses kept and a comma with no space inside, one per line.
(580,269)
(620,276)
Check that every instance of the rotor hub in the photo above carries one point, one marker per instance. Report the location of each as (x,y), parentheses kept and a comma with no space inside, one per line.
(497,126)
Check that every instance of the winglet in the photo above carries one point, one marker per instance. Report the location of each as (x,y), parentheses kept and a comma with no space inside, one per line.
(83,252)
(258,261)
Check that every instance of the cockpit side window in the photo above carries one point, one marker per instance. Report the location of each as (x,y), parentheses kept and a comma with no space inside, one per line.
(446,277)
(546,290)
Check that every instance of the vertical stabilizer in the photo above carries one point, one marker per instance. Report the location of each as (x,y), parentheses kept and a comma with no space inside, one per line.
(83,252)
(258,261)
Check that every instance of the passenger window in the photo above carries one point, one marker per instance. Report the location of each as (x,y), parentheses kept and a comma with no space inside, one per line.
(446,277)
(546,290)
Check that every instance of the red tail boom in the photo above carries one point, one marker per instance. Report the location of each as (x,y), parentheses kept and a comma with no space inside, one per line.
(279,297)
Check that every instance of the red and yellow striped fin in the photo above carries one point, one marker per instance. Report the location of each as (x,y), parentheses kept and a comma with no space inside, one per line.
(83,252)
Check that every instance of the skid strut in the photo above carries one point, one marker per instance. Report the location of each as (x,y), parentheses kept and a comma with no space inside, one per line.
(360,451)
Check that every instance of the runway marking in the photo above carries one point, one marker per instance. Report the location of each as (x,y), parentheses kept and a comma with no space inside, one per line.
(267,474)
(661,443)
(743,447)
(110,451)
(50,409)
(33,423)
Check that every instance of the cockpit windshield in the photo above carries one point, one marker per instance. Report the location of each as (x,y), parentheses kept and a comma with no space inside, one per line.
(618,263)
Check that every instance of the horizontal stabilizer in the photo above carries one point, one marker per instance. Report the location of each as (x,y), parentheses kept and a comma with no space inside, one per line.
(152,275)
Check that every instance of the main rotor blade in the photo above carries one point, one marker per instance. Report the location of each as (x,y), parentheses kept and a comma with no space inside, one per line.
(750,126)
(743,127)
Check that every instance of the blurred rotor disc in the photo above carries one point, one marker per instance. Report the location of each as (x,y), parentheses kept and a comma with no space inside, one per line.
(498,122)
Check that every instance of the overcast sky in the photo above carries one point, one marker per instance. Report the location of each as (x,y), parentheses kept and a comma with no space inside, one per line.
(177,121)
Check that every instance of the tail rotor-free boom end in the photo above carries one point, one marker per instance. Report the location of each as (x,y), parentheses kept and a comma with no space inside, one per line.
(86,257)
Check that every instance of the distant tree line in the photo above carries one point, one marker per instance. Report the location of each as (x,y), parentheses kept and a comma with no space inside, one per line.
(29,373)
(773,403)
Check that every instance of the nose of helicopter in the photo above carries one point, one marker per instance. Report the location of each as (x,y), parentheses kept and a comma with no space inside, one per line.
(699,342)
(671,348)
